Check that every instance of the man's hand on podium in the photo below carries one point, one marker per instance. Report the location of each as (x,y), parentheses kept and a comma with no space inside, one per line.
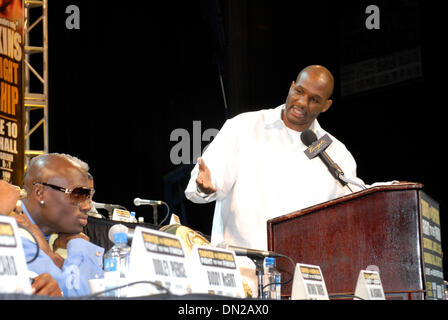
(204,179)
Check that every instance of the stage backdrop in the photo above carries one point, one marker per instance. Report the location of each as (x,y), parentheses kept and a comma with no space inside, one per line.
(11,92)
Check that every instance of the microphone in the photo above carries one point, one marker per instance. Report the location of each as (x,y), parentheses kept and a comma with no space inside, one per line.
(316,147)
(144,202)
(154,203)
(108,207)
(247,252)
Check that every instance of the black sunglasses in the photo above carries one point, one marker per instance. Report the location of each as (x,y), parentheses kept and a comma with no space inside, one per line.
(76,195)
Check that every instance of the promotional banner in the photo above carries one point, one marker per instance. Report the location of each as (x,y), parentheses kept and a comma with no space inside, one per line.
(11,91)
(432,247)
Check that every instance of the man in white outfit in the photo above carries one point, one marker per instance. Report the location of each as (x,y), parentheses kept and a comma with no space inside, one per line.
(256,169)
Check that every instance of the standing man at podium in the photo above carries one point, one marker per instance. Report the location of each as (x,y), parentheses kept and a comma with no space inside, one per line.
(256,169)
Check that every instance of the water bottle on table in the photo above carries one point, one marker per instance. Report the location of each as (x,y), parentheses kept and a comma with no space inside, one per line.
(116,265)
(271,280)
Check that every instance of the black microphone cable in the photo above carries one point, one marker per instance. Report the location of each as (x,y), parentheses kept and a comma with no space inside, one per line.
(155,284)
(344,296)
(291,275)
(167,213)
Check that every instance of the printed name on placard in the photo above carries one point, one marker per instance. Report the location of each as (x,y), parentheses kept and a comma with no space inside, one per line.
(369,286)
(7,266)
(308,283)
(159,257)
(217,272)
(169,268)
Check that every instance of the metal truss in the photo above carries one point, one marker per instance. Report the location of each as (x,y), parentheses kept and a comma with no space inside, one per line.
(36,71)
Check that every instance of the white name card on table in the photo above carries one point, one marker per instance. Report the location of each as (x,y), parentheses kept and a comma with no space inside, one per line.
(216,272)
(308,283)
(369,286)
(13,270)
(158,257)
(121,215)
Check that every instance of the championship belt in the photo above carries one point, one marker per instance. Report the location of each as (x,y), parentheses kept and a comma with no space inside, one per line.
(188,236)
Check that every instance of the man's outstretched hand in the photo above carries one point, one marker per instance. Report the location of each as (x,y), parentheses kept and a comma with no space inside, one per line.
(204,179)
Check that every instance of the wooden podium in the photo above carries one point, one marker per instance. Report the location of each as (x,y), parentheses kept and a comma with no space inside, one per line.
(380,226)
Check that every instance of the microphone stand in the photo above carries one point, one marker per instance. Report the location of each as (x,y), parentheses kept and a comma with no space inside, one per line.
(155,213)
(110,213)
(259,272)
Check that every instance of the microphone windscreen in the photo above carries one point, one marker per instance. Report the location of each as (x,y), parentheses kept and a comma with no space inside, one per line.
(308,137)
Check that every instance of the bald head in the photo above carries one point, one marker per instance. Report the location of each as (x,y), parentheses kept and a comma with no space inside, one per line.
(308,97)
(46,166)
(322,74)
(54,208)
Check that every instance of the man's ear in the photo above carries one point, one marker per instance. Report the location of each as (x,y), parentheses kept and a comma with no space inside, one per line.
(38,192)
(328,105)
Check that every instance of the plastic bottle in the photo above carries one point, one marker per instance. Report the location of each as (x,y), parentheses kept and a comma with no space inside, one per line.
(272,277)
(133,218)
(116,265)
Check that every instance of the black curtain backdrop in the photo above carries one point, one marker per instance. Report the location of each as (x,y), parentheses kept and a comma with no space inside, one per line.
(136,71)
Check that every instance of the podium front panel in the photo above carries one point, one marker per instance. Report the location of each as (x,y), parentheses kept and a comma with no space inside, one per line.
(345,236)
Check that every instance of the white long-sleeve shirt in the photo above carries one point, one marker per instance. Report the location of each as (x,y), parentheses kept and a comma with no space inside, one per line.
(260,170)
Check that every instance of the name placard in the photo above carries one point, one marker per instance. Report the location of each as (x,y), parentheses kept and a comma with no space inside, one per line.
(369,286)
(13,269)
(308,283)
(121,215)
(158,257)
(216,272)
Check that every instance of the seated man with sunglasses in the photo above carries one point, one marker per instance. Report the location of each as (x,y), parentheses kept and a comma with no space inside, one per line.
(58,201)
